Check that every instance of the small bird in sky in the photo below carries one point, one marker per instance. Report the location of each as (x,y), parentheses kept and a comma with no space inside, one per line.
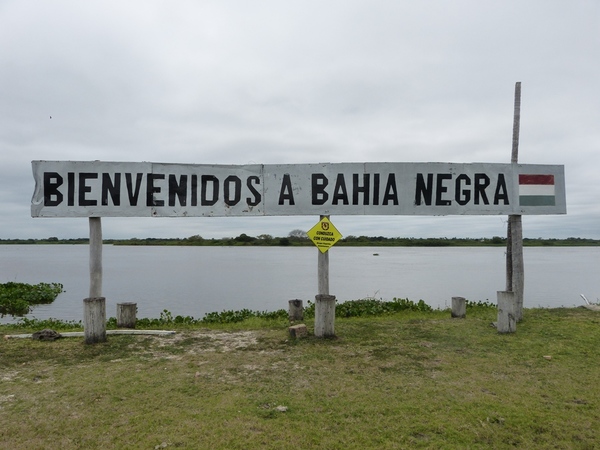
(51,117)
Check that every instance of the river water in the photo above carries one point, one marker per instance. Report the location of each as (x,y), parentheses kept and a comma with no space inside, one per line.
(192,281)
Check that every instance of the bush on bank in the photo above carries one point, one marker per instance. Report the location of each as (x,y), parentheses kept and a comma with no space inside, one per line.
(17,299)
(367,307)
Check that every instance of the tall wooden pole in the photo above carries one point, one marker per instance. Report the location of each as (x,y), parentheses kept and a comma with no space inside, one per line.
(95,257)
(515,275)
(323,270)
(94,307)
(324,303)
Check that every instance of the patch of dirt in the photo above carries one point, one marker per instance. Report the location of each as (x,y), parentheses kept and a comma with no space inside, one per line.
(7,398)
(234,341)
(8,376)
(197,342)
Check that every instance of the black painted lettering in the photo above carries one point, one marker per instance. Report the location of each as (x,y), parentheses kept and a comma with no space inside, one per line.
(84,188)
(151,189)
(111,187)
(318,184)
(376,189)
(424,190)
(204,181)
(250,184)
(178,189)
(339,191)
(441,189)
(52,196)
(194,190)
(237,190)
(482,181)
(285,193)
(391,192)
(462,194)
(133,192)
(501,192)
(358,189)
(71,188)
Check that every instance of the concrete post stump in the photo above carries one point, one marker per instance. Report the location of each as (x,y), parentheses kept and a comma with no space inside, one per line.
(94,320)
(324,315)
(126,315)
(295,310)
(459,307)
(507,317)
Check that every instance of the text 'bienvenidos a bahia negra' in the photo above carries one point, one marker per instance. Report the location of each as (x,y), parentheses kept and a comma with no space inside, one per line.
(112,189)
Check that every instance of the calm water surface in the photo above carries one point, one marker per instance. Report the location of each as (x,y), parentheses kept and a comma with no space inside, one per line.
(196,280)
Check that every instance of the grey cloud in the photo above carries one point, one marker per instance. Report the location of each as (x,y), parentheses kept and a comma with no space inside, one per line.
(293,82)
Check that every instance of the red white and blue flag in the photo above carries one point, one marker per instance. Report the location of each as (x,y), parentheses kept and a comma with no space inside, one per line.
(536,190)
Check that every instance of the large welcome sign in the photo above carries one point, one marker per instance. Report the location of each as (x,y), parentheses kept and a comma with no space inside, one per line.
(111,189)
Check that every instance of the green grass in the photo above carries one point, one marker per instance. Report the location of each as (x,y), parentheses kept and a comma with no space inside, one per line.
(410,379)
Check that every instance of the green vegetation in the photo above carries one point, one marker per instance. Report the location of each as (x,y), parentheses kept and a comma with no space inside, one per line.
(299,238)
(353,308)
(368,307)
(408,379)
(373,307)
(25,325)
(16,299)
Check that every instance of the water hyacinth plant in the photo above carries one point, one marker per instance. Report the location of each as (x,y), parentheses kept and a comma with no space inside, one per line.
(17,299)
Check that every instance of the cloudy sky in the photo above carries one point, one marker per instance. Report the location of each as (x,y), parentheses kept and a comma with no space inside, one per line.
(271,81)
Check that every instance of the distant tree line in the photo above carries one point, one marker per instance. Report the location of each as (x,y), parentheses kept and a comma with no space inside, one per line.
(300,238)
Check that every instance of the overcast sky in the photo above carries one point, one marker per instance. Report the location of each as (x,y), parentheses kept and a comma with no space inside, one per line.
(238,82)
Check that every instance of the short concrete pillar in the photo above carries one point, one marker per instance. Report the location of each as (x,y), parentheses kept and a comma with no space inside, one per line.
(459,307)
(324,315)
(507,318)
(94,320)
(126,315)
(296,310)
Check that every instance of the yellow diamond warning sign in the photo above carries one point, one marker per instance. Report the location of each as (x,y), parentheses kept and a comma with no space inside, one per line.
(324,234)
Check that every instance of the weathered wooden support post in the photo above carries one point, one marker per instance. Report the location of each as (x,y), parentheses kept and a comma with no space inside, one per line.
(295,310)
(515,271)
(507,321)
(323,267)
(94,320)
(324,315)
(95,257)
(323,270)
(518,268)
(94,314)
(324,303)
(126,315)
(459,307)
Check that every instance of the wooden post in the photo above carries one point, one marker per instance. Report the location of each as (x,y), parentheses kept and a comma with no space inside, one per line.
(515,271)
(95,257)
(324,303)
(516,123)
(324,315)
(518,272)
(507,321)
(94,320)
(295,310)
(126,315)
(94,307)
(459,307)
(323,270)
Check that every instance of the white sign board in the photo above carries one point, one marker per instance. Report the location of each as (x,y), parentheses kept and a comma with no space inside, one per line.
(134,189)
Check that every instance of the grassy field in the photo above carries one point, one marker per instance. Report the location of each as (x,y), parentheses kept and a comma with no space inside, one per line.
(408,380)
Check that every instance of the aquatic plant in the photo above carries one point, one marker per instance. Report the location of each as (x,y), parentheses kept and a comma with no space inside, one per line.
(17,299)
